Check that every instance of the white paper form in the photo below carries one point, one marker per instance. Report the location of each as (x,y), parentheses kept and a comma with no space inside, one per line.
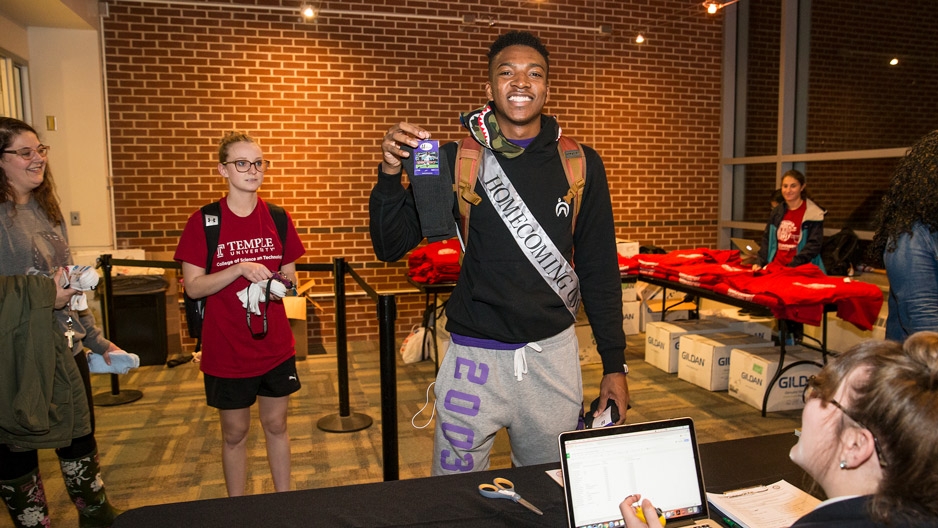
(776,505)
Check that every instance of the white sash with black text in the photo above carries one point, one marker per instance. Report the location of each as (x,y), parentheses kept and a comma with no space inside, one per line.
(528,233)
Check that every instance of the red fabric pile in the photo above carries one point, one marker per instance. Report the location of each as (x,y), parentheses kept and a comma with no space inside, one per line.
(434,263)
(797,294)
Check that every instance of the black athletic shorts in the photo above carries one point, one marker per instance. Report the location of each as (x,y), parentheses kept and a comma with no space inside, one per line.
(238,393)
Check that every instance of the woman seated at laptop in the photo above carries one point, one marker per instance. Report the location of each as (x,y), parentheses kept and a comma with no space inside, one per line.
(869,437)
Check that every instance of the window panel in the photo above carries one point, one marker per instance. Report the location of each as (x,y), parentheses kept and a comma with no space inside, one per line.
(845,100)
(850,190)
(753,185)
(12,89)
(857,100)
(761,74)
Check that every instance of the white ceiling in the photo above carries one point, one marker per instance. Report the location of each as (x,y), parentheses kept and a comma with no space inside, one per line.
(49,13)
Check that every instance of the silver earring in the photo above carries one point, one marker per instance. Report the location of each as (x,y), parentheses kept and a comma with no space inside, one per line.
(843,464)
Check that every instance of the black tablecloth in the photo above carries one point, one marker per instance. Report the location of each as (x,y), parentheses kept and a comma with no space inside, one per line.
(454,500)
(438,501)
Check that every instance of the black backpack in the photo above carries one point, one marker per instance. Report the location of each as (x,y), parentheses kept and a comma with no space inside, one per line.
(841,252)
(211,222)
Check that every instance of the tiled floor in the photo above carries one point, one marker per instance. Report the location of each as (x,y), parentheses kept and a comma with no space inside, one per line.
(165,447)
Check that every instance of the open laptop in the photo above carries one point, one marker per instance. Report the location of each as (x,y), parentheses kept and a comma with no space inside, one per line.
(748,249)
(658,460)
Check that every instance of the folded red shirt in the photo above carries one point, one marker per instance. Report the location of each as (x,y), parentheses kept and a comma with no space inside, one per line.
(434,263)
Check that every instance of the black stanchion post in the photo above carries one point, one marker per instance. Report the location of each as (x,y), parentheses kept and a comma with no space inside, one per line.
(115,397)
(345,421)
(107,308)
(387,314)
(341,334)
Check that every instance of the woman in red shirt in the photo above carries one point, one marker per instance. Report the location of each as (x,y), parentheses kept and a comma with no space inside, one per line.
(795,231)
(243,360)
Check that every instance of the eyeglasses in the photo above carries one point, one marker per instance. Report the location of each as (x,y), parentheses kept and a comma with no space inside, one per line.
(245,165)
(28,153)
(810,391)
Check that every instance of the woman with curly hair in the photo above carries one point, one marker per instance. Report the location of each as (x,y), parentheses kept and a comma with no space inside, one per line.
(907,240)
(869,439)
(33,239)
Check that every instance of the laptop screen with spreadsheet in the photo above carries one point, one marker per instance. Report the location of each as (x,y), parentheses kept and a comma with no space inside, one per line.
(658,460)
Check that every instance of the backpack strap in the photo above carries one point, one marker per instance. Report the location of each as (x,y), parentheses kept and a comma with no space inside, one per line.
(574,167)
(280,220)
(211,222)
(469,155)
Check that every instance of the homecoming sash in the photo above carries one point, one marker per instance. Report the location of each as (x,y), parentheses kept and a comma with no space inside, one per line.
(528,233)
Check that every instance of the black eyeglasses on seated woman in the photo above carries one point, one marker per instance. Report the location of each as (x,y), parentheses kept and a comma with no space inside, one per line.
(869,438)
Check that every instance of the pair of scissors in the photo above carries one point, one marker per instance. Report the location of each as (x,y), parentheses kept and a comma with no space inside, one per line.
(502,488)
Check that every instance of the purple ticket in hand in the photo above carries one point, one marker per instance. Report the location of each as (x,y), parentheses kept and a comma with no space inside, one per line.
(427,158)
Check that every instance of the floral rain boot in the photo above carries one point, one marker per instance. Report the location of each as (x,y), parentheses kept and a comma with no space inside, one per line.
(26,500)
(86,489)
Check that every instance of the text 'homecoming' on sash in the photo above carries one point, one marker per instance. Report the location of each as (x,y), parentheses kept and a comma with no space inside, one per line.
(529,235)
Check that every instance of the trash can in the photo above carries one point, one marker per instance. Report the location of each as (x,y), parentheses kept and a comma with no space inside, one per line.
(296,313)
(140,316)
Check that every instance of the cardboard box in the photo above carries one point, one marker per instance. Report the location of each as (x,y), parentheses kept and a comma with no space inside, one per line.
(629,293)
(651,311)
(705,359)
(662,339)
(650,292)
(589,353)
(763,327)
(752,369)
(841,335)
(631,317)
(626,248)
(296,314)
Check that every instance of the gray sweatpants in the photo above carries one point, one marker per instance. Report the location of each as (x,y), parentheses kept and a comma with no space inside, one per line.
(478,393)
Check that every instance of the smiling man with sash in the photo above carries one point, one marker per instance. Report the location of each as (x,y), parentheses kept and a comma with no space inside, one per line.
(513,361)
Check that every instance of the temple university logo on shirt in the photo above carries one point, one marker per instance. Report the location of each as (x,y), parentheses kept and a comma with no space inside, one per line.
(562,208)
(250,247)
(785,230)
(218,251)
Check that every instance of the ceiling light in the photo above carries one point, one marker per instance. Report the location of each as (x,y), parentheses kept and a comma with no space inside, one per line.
(713,7)
(308,12)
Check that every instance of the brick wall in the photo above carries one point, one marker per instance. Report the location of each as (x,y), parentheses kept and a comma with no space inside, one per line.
(319,96)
